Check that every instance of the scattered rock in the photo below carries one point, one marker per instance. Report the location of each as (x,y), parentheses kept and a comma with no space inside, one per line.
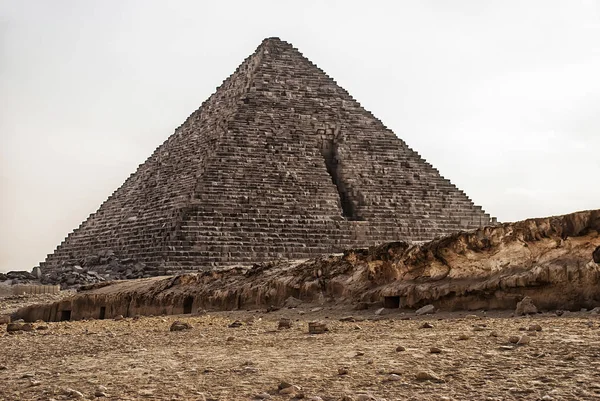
(525,307)
(463,337)
(27,375)
(524,340)
(180,326)
(317,328)
(426,310)
(42,327)
(426,325)
(513,339)
(347,319)
(472,317)
(435,350)
(379,311)
(400,348)
(74,394)
(424,375)
(559,312)
(534,327)
(393,377)
(17,326)
(494,334)
(118,318)
(263,396)
(343,371)
(101,392)
(284,323)
(235,324)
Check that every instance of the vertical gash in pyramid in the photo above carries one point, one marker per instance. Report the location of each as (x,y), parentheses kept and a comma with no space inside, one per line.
(280,162)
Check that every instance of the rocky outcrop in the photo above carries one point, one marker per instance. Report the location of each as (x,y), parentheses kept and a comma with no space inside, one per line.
(549,260)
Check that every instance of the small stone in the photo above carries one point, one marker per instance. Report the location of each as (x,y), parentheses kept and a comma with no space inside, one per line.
(317,327)
(74,394)
(547,398)
(494,334)
(394,377)
(289,390)
(513,339)
(35,383)
(118,317)
(463,337)
(27,375)
(283,385)
(423,376)
(524,340)
(471,317)
(400,348)
(525,307)
(559,312)
(230,338)
(365,397)
(435,350)
(342,371)
(425,310)
(534,327)
(426,325)
(146,393)
(180,326)
(379,311)
(315,398)
(347,319)
(284,323)
(3,367)
(263,396)
(235,324)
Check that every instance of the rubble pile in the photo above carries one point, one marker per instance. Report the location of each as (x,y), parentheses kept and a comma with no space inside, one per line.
(103,266)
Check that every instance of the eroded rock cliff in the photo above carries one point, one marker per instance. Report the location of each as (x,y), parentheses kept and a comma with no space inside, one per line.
(553,260)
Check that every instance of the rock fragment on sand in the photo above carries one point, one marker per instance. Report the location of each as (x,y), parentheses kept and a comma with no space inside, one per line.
(425,310)
(526,307)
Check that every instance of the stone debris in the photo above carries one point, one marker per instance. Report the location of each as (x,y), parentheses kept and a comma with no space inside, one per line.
(400,348)
(18,326)
(426,325)
(317,327)
(524,340)
(344,370)
(180,326)
(525,307)
(435,350)
(425,310)
(101,391)
(263,396)
(424,376)
(74,394)
(463,337)
(235,324)
(284,323)
(534,327)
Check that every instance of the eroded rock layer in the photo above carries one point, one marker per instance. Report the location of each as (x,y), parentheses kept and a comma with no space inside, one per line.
(551,260)
(280,162)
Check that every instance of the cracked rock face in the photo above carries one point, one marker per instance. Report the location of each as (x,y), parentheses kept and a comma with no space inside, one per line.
(548,260)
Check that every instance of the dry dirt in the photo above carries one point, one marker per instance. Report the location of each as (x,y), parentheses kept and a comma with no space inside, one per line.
(141,359)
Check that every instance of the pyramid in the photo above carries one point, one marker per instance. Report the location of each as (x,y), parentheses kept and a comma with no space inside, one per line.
(280,162)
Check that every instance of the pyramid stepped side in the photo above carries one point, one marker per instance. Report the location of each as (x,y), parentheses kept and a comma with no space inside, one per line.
(305,170)
(140,216)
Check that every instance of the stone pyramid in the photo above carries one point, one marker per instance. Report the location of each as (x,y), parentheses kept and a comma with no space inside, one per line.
(280,162)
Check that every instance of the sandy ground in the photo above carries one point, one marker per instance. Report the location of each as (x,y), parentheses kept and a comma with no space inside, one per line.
(137,359)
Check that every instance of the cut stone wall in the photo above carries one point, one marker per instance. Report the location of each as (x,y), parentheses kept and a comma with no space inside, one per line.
(280,162)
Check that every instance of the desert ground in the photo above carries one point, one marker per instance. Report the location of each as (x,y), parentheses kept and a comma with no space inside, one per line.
(391,356)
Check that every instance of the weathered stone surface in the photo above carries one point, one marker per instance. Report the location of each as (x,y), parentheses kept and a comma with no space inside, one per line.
(280,162)
(547,259)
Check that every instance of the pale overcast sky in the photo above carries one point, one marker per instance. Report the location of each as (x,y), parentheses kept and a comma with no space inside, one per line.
(503,97)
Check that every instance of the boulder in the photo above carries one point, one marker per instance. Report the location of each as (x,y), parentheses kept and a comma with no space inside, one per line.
(426,310)
(525,307)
